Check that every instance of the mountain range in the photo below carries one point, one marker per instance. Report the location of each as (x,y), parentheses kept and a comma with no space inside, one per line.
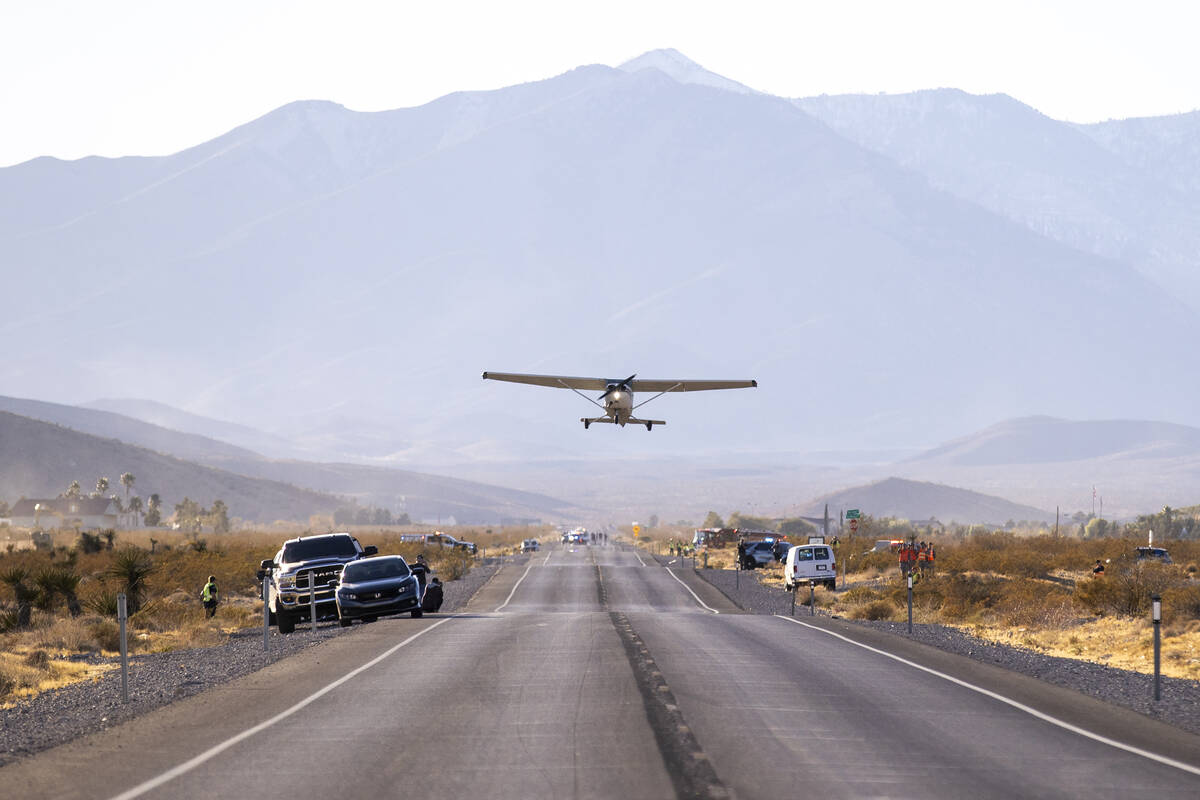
(896,271)
(48,445)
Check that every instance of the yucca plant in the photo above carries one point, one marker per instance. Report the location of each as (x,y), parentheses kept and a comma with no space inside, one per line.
(130,567)
(43,580)
(64,581)
(17,577)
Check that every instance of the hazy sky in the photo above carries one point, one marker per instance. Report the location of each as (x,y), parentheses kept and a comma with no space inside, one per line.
(119,77)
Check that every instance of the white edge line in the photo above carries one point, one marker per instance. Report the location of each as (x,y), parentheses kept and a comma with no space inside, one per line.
(547,561)
(514,589)
(693,594)
(1010,702)
(639,558)
(196,761)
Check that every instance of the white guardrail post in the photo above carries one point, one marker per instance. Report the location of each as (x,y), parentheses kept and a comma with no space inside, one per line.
(312,598)
(122,615)
(266,594)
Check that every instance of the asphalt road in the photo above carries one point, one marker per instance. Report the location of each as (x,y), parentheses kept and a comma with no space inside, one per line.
(596,673)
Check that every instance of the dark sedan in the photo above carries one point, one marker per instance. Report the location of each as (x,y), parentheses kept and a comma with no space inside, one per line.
(371,587)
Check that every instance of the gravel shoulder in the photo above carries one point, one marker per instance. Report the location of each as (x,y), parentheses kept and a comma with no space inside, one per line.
(1180,704)
(157,679)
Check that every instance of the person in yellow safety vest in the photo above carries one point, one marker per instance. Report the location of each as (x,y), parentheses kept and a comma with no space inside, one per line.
(208,596)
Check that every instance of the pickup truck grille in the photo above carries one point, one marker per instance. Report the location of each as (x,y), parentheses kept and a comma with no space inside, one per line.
(321,577)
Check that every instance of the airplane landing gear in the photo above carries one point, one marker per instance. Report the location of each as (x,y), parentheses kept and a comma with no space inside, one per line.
(586,423)
(649,425)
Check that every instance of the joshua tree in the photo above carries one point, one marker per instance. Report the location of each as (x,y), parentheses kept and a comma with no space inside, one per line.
(153,515)
(131,566)
(16,578)
(66,583)
(127,481)
(58,580)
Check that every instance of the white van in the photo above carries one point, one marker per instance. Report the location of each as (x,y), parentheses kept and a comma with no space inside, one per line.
(810,562)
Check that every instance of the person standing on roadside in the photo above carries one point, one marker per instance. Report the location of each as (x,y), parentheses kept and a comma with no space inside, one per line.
(208,596)
(1098,570)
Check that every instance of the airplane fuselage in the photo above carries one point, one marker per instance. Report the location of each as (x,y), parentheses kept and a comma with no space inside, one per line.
(618,404)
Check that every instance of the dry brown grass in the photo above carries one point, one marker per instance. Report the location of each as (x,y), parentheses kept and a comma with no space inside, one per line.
(172,617)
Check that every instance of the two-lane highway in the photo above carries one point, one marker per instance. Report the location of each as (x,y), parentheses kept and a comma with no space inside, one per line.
(594,672)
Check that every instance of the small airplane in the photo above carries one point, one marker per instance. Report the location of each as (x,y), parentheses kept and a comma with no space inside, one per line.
(617,400)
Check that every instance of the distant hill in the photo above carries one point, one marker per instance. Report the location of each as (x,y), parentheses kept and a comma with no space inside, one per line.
(422,496)
(160,414)
(110,425)
(41,459)
(1041,440)
(917,500)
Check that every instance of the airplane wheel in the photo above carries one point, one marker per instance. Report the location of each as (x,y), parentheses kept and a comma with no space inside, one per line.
(649,425)
(586,424)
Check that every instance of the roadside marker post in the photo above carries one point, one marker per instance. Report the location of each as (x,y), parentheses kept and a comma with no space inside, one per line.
(266,594)
(122,616)
(1156,618)
(795,588)
(812,598)
(910,602)
(312,598)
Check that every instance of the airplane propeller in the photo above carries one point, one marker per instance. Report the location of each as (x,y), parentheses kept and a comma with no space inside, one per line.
(622,385)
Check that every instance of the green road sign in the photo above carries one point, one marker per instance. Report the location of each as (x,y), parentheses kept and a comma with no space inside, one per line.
(852,514)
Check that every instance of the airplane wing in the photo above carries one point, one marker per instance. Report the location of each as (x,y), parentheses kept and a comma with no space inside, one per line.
(684,385)
(600,384)
(556,381)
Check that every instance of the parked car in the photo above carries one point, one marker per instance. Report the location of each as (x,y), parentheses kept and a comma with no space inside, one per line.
(810,562)
(371,587)
(438,539)
(1153,554)
(759,554)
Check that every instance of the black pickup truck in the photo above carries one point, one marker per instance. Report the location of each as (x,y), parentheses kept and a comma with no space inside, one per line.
(304,565)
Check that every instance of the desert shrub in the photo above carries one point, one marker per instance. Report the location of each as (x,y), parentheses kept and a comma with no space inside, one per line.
(165,614)
(876,610)
(873,561)
(63,634)
(89,543)
(1024,602)
(8,683)
(38,659)
(860,594)
(106,634)
(1181,604)
(1127,591)
(964,595)
(199,633)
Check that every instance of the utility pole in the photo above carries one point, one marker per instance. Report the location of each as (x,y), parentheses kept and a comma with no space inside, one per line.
(1056,522)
